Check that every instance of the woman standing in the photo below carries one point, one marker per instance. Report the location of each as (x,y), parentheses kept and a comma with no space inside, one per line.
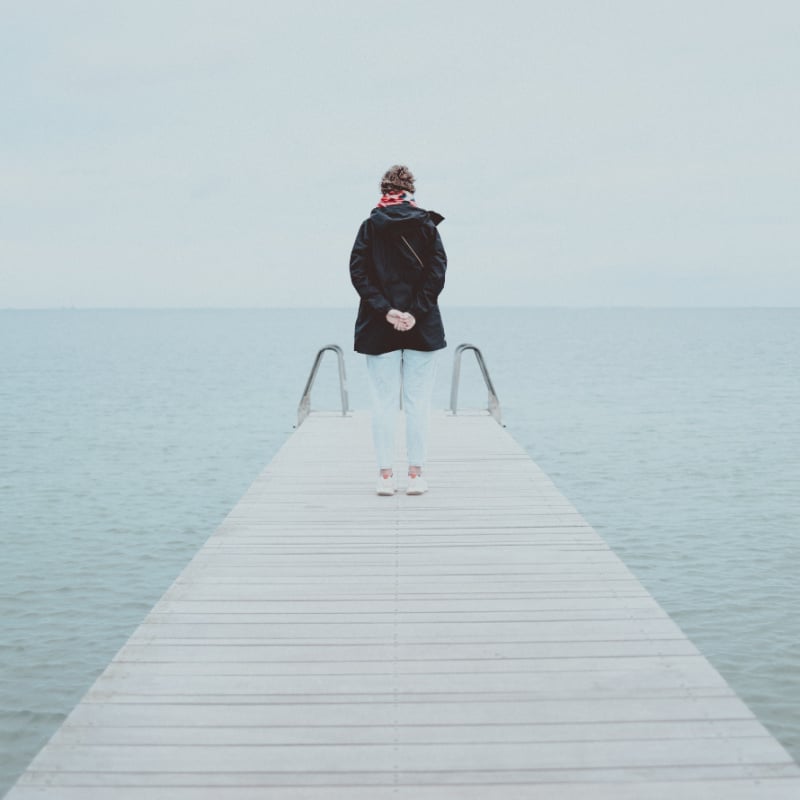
(397,266)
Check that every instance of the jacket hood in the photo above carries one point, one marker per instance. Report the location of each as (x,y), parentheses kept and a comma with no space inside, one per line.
(403,215)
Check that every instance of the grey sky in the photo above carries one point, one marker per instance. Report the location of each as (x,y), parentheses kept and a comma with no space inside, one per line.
(223,153)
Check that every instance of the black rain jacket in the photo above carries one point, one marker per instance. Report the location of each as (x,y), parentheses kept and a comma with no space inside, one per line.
(386,271)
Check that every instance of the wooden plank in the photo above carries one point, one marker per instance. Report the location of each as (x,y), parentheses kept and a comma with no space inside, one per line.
(608,788)
(484,756)
(480,641)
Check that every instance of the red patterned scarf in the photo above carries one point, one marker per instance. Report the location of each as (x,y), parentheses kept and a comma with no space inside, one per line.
(396,198)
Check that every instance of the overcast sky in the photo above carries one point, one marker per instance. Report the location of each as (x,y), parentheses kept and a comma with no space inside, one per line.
(164,153)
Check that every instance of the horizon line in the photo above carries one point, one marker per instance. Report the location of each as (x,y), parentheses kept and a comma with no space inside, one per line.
(586,307)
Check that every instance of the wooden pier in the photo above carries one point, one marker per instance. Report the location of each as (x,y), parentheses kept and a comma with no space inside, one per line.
(480,641)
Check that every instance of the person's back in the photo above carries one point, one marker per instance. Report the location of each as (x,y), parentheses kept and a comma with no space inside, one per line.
(398,266)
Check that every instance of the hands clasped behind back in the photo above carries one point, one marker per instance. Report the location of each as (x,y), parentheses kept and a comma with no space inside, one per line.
(400,320)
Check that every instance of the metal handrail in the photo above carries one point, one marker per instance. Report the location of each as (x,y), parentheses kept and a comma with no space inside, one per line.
(304,409)
(494,403)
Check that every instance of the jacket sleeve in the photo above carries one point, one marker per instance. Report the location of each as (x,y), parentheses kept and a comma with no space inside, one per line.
(428,292)
(360,271)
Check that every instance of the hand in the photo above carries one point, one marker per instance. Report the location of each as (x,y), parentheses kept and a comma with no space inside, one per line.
(408,321)
(400,320)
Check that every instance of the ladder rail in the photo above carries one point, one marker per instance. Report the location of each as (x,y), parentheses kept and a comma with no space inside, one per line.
(304,407)
(493,402)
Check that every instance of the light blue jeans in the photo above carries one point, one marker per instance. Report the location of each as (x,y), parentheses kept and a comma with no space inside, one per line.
(415,372)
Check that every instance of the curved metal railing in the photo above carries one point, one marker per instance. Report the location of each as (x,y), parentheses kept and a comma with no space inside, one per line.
(494,403)
(304,409)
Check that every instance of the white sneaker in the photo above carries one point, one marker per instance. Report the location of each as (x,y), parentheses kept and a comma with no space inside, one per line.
(416,485)
(385,486)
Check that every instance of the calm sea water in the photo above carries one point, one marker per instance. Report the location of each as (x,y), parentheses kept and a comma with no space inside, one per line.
(126,436)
